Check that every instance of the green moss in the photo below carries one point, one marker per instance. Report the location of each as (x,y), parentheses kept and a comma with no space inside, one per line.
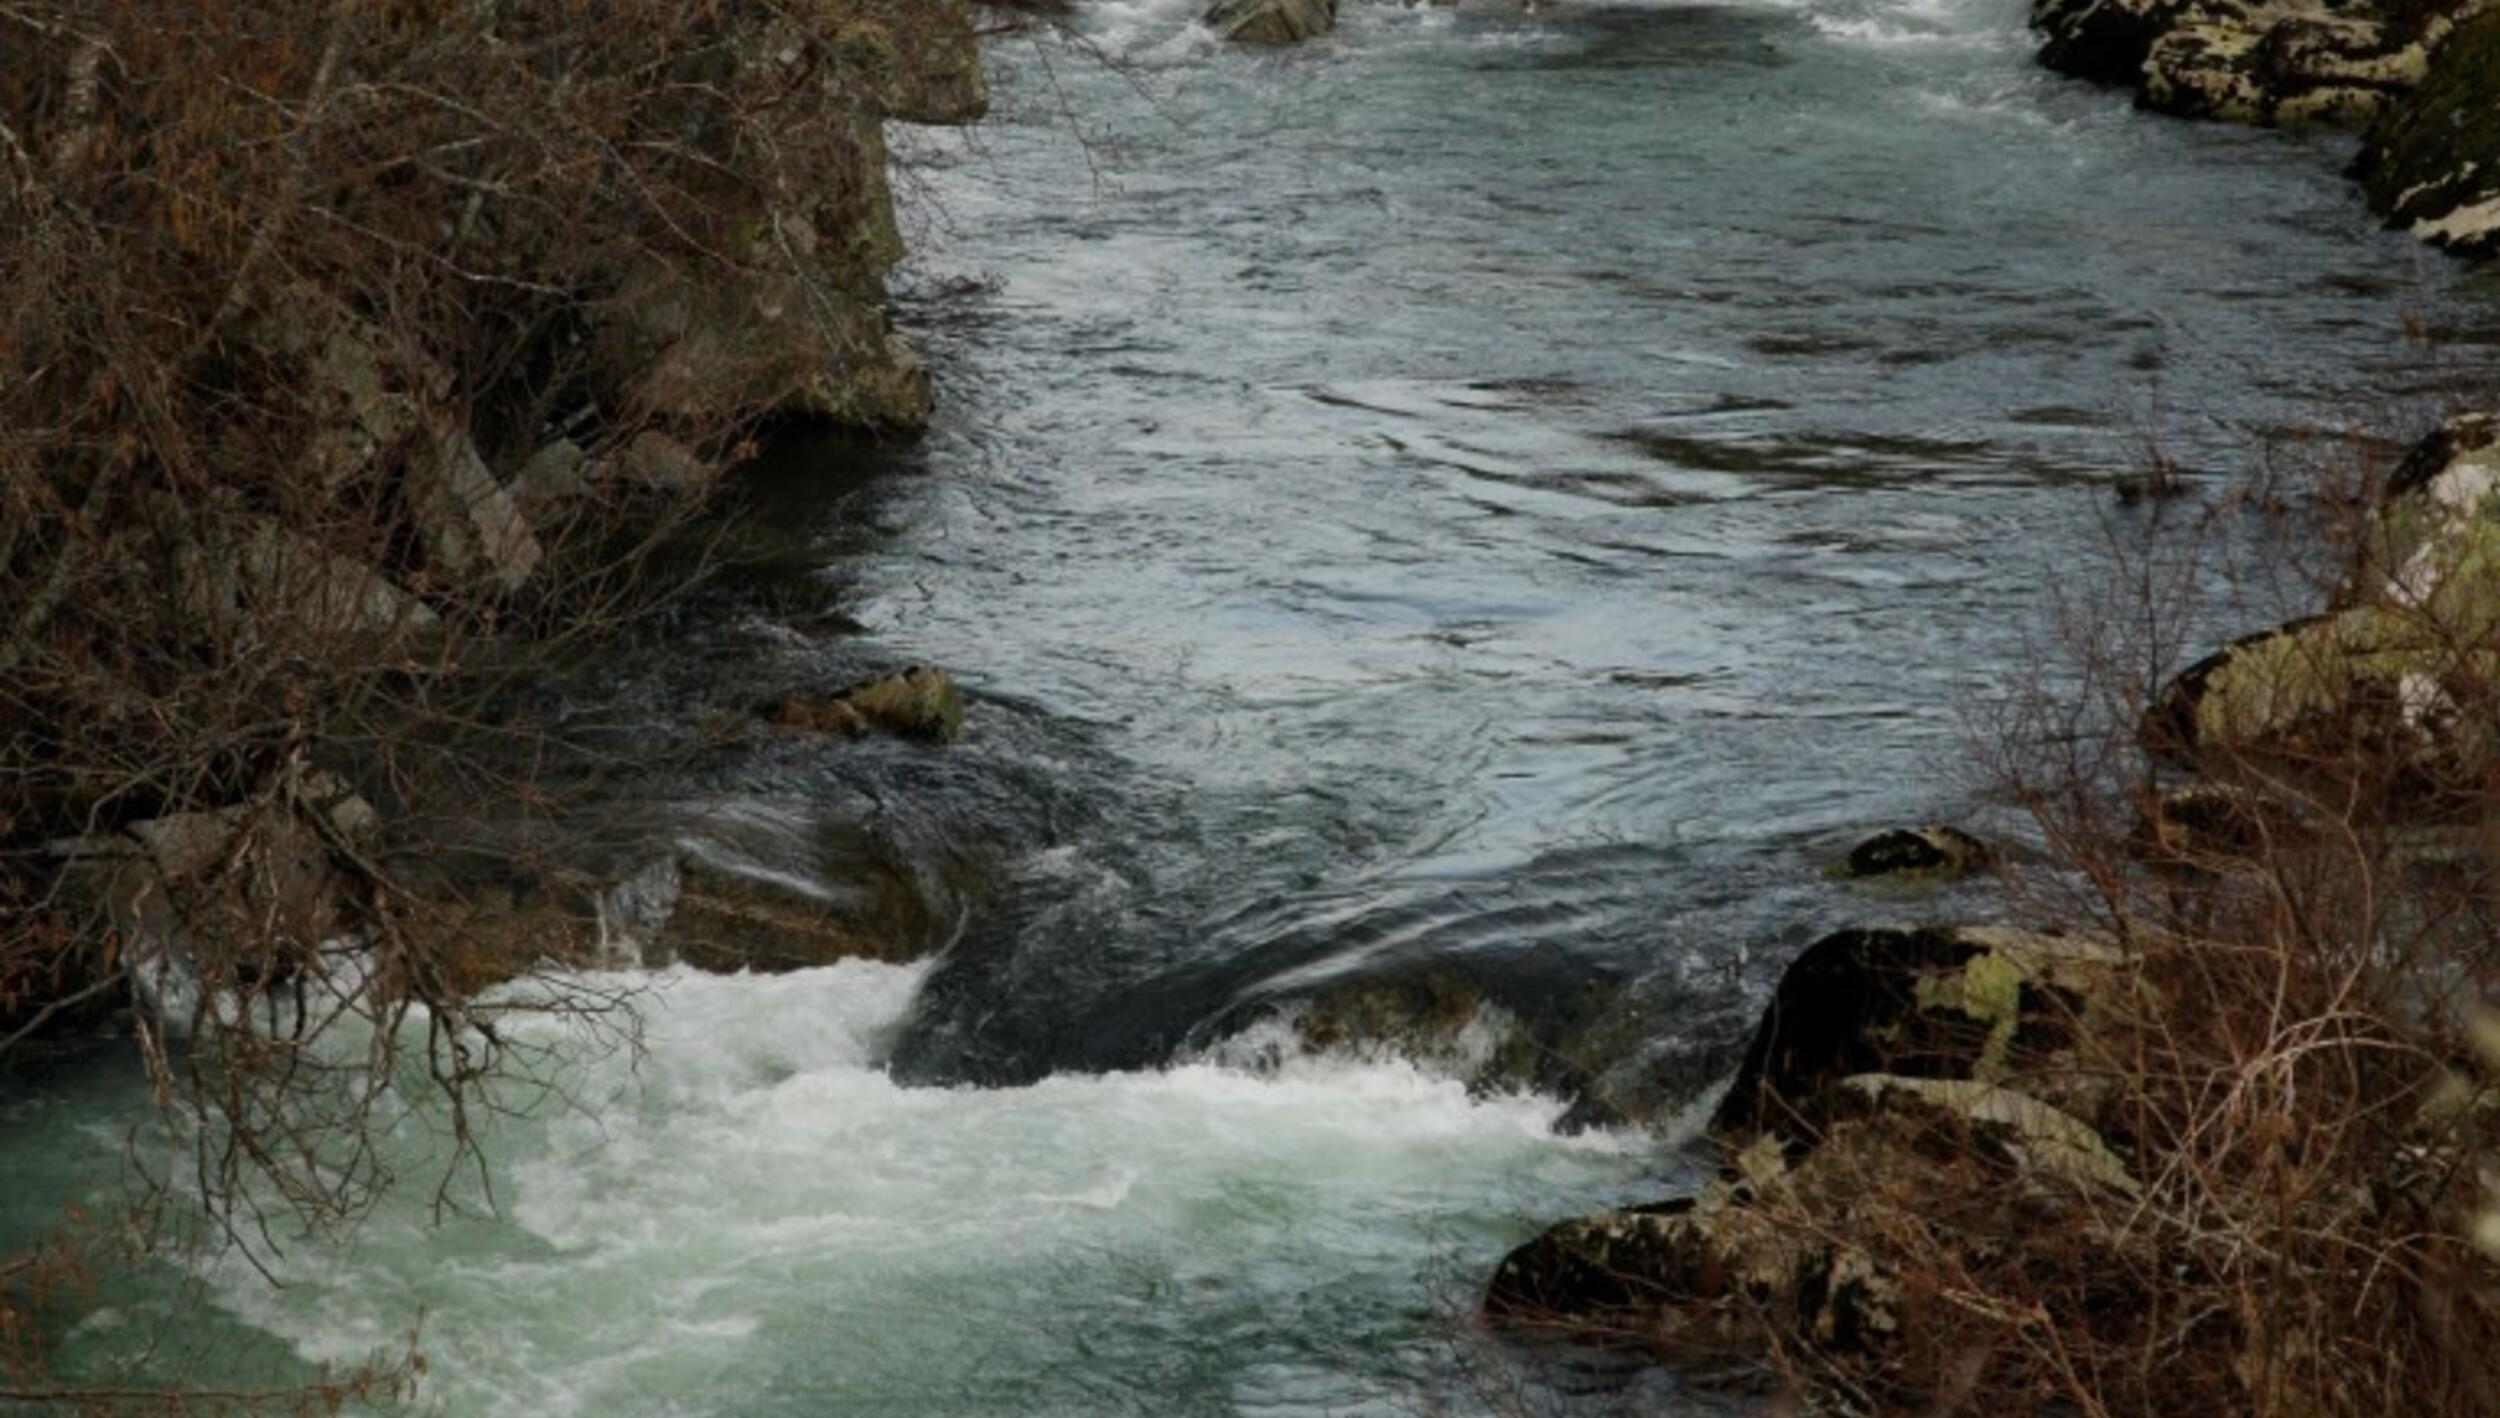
(1988,989)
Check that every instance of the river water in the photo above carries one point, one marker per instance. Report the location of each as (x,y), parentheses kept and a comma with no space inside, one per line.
(1503,495)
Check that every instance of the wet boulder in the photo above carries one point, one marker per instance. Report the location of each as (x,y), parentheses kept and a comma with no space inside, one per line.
(2432,163)
(1430,1017)
(1272,21)
(1982,1003)
(919,703)
(2106,41)
(1898,1074)
(1442,1020)
(731,914)
(1932,853)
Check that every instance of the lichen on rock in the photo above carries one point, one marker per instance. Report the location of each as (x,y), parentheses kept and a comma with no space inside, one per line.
(2432,163)
(2389,673)
(1893,1068)
(918,703)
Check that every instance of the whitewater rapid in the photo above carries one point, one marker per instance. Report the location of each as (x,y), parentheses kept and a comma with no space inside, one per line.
(746,1216)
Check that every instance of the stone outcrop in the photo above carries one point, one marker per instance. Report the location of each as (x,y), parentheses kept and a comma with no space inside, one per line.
(790,316)
(2432,162)
(473,530)
(2284,67)
(237,578)
(2106,41)
(2423,79)
(1272,21)
(1893,1064)
(2389,675)
(165,886)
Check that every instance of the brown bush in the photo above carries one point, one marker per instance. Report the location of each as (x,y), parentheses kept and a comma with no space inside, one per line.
(2309,913)
(354,357)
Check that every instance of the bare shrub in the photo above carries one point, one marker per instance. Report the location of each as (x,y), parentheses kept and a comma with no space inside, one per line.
(2305,895)
(355,356)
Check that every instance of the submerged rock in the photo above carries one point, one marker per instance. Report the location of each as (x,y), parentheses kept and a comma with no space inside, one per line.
(1272,21)
(731,915)
(2432,164)
(919,703)
(1932,853)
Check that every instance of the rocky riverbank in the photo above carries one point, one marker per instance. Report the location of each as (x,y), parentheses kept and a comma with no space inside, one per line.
(1944,1171)
(2420,81)
(1967,1160)
(272,560)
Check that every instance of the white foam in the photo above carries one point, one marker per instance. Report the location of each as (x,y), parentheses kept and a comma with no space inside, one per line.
(755,1196)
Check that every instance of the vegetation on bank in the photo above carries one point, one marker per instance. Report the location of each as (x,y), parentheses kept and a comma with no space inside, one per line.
(2414,77)
(2220,1132)
(2218,1128)
(354,356)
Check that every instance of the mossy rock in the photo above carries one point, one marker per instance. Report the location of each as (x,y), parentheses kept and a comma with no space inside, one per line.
(1987,1004)
(1804,1247)
(919,703)
(2396,680)
(2432,163)
(2047,1146)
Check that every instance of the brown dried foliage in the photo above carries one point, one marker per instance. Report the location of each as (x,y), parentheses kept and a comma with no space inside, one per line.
(2288,1066)
(261,265)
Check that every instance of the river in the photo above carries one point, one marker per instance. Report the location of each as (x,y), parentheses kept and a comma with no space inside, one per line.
(1509,495)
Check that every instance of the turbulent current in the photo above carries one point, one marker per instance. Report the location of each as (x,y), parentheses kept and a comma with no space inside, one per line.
(1504,494)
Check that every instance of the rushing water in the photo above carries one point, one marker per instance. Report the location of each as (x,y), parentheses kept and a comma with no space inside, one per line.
(1500,493)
